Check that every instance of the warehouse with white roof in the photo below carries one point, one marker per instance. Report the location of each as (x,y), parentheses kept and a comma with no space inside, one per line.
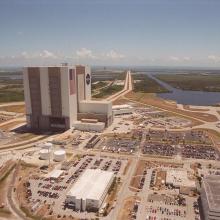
(89,192)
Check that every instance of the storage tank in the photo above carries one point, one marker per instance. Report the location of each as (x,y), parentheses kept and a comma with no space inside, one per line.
(47,146)
(45,154)
(59,155)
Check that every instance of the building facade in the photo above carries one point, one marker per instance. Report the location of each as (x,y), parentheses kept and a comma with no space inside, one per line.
(52,94)
(54,97)
(210,197)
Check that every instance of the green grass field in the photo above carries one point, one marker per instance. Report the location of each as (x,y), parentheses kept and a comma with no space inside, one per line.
(11,89)
(108,91)
(192,81)
(147,85)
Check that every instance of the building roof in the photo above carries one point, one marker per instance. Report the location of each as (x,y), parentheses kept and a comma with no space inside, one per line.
(211,186)
(95,101)
(179,178)
(91,185)
(125,106)
(54,174)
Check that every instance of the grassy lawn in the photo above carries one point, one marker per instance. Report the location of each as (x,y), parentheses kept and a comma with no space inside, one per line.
(11,87)
(98,85)
(142,83)
(192,81)
(108,91)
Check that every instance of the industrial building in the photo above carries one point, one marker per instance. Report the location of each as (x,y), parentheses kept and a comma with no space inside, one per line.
(90,190)
(59,97)
(210,197)
(122,109)
(179,179)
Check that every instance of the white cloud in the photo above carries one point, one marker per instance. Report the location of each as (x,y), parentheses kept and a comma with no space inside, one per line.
(114,55)
(85,53)
(47,54)
(173,58)
(42,54)
(25,55)
(214,58)
(186,58)
(179,59)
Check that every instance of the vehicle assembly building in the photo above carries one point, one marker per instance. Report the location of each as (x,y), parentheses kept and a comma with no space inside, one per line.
(59,97)
(89,192)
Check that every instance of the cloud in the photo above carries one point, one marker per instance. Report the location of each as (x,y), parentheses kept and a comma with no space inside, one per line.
(186,58)
(214,58)
(47,54)
(112,54)
(173,58)
(179,59)
(42,54)
(85,53)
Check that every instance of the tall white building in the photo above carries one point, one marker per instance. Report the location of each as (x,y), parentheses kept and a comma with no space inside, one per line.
(53,97)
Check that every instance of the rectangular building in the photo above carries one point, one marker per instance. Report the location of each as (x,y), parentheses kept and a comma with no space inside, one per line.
(89,192)
(56,97)
(210,197)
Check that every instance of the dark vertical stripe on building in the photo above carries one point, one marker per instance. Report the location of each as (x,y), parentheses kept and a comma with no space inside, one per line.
(54,74)
(72,80)
(35,95)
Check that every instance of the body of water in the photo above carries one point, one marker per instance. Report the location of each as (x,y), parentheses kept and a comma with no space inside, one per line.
(188,97)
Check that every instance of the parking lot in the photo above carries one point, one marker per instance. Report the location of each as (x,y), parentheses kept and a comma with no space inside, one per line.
(120,145)
(159,149)
(159,201)
(42,189)
(186,137)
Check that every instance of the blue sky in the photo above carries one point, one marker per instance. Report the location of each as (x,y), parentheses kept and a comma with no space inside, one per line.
(110,32)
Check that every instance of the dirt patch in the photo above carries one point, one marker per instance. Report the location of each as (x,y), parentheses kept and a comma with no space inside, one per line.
(127,167)
(10,125)
(135,181)
(5,172)
(160,179)
(14,108)
(125,213)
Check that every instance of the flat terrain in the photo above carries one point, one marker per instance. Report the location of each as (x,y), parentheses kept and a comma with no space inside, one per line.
(192,81)
(108,91)
(13,108)
(152,100)
(11,86)
(106,75)
(143,83)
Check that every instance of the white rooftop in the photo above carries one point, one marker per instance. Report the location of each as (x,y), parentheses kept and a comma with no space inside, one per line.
(211,184)
(121,106)
(91,184)
(179,178)
(54,174)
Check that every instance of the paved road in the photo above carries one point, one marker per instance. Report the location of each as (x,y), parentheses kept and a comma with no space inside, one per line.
(127,88)
(11,202)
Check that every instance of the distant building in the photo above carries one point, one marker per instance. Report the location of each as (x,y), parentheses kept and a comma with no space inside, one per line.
(56,97)
(89,191)
(122,109)
(210,197)
(179,179)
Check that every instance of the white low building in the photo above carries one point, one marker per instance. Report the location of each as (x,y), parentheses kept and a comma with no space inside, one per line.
(54,174)
(90,190)
(180,180)
(89,126)
(122,109)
